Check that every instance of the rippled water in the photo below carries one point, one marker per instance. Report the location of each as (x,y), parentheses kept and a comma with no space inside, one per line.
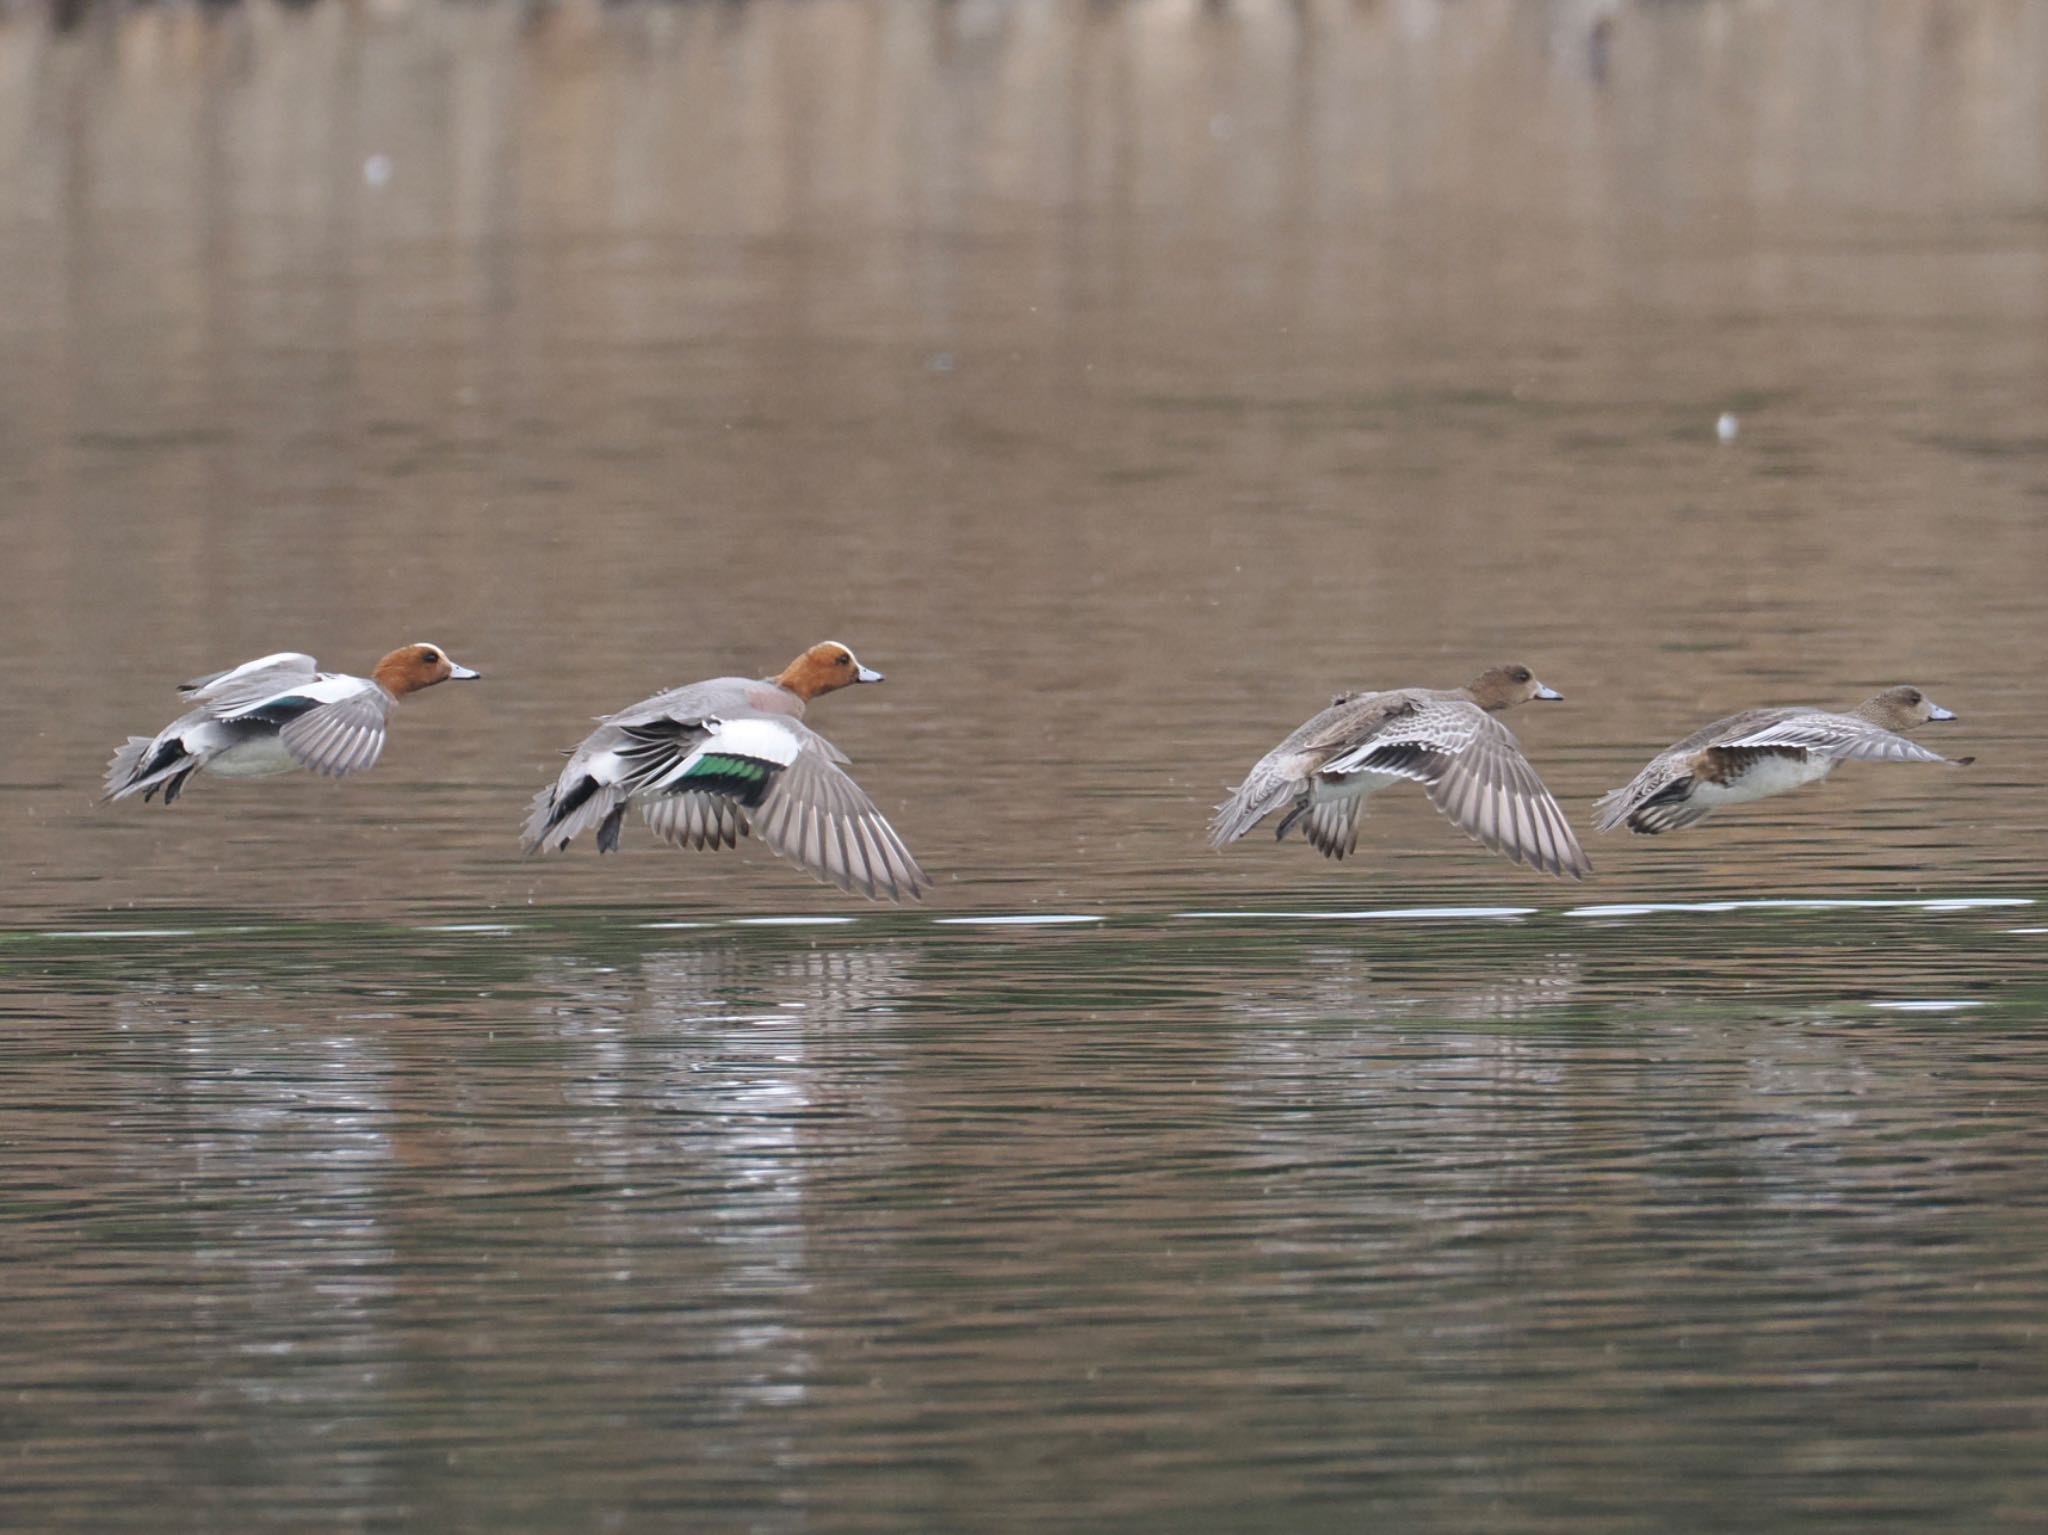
(1122,380)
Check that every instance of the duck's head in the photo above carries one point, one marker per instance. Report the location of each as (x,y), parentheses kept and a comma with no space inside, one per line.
(822,668)
(1502,687)
(1902,708)
(412,667)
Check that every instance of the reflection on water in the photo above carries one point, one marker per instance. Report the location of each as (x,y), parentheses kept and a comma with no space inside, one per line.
(1123,380)
(1151,1217)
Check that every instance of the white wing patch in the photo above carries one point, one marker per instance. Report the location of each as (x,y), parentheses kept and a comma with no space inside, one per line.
(768,740)
(607,767)
(333,687)
(328,688)
(764,740)
(233,692)
(283,660)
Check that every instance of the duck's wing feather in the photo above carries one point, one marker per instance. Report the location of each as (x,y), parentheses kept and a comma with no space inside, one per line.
(1840,736)
(333,726)
(649,747)
(232,692)
(779,779)
(1473,770)
(1662,815)
(1419,743)
(735,758)
(1492,792)
(695,820)
(1332,826)
(816,816)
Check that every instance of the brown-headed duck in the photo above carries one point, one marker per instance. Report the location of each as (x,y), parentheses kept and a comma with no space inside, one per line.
(711,761)
(277,714)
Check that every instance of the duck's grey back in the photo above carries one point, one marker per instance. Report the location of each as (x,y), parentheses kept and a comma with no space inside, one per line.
(1733,728)
(712,698)
(1356,718)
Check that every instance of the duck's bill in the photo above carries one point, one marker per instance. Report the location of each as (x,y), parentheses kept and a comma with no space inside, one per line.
(461,673)
(1549,695)
(867,674)
(1936,712)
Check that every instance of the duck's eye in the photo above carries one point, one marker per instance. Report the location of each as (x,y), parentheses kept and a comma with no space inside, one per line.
(1912,695)
(1520,674)
(431,657)
(845,659)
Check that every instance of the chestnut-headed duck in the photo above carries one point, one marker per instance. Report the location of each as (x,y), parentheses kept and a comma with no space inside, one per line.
(274,715)
(711,761)
(1447,740)
(1761,752)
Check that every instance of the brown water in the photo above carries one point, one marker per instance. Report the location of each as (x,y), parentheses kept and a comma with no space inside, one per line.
(1122,380)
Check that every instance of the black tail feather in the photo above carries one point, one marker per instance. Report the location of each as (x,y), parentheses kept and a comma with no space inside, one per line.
(1677,789)
(1666,810)
(562,806)
(1287,822)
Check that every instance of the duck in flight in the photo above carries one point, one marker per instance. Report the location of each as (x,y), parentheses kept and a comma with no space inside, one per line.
(712,761)
(1761,752)
(277,714)
(1468,763)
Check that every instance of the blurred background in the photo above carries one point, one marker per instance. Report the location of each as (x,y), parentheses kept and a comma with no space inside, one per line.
(1123,379)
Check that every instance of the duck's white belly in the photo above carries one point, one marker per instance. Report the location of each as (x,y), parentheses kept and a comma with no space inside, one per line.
(1350,786)
(259,757)
(1763,778)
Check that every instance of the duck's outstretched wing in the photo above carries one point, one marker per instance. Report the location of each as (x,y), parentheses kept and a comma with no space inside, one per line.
(1840,736)
(234,691)
(334,725)
(816,816)
(695,820)
(780,780)
(330,723)
(1332,826)
(1473,770)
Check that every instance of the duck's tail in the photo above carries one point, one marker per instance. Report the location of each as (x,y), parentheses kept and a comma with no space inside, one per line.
(1611,808)
(1670,808)
(567,806)
(1262,793)
(149,763)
